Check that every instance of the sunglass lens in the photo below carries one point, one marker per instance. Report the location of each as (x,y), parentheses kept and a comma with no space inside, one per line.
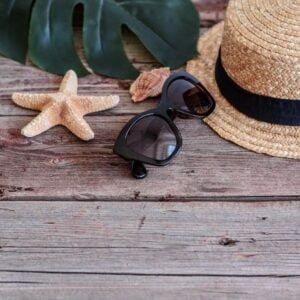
(187,96)
(152,137)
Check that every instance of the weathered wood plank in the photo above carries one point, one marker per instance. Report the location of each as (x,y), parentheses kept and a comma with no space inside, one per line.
(93,286)
(184,239)
(56,164)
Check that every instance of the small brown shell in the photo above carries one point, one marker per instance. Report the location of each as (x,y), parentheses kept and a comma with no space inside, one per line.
(149,84)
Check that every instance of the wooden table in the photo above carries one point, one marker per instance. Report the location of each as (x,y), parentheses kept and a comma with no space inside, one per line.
(220,222)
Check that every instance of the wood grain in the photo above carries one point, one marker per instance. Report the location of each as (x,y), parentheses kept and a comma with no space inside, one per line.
(107,287)
(75,250)
(56,165)
(197,239)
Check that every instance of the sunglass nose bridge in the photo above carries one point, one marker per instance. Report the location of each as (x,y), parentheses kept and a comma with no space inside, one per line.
(173,114)
(185,116)
(138,170)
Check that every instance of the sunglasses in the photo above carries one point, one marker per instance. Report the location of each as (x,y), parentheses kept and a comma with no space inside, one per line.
(152,137)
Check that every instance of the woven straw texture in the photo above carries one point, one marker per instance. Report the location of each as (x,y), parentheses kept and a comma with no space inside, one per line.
(260,52)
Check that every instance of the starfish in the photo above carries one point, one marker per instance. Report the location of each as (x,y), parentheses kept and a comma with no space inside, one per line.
(65,108)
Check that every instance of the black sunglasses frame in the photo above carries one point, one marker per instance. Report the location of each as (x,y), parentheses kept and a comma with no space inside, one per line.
(168,113)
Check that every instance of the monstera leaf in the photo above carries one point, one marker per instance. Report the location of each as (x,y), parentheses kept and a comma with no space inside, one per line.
(43,29)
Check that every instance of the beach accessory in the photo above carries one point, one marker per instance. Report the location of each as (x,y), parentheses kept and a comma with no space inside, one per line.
(63,108)
(152,137)
(149,84)
(251,66)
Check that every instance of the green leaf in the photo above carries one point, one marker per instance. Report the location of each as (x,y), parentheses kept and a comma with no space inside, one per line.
(169,29)
(14,22)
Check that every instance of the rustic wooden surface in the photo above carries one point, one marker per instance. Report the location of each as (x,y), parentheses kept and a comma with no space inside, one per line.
(155,250)
(219,223)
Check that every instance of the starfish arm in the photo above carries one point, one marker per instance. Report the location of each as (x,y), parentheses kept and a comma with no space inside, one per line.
(69,85)
(31,101)
(44,121)
(77,125)
(91,104)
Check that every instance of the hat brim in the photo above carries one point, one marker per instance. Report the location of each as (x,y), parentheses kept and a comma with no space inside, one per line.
(229,123)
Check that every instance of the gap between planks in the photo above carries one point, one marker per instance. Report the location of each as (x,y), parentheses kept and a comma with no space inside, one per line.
(151,274)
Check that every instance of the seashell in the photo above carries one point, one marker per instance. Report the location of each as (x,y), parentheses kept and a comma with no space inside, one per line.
(149,84)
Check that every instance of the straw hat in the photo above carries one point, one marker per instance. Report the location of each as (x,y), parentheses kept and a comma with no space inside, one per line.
(251,65)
